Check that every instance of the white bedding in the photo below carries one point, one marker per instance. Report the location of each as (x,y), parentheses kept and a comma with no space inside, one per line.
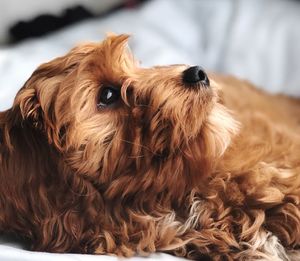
(258,40)
(10,252)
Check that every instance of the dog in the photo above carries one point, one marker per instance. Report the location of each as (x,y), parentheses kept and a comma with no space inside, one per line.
(99,155)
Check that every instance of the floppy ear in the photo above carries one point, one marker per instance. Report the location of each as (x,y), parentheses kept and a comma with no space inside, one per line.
(34,171)
(37,95)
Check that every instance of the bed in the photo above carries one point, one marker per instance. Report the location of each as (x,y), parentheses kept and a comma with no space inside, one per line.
(256,40)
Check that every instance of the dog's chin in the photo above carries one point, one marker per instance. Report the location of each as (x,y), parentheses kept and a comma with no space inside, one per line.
(207,125)
(196,109)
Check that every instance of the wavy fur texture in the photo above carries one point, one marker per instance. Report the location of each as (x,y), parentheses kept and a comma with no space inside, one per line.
(209,173)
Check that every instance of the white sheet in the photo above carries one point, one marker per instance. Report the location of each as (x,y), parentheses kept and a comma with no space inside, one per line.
(258,40)
(12,253)
(10,250)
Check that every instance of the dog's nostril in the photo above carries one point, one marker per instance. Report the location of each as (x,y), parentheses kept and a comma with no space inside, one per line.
(202,75)
(195,74)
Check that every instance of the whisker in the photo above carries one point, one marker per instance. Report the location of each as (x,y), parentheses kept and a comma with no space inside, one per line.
(136,157)
(142,146)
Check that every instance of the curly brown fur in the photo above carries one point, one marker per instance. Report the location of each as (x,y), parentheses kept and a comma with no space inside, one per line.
(169,168)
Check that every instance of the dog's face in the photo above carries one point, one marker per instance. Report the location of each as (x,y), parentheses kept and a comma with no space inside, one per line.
(126,128)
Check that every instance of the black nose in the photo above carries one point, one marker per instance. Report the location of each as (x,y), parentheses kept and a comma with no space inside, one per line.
(195,74)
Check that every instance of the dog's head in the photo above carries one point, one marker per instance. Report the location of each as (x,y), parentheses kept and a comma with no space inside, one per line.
(125,128)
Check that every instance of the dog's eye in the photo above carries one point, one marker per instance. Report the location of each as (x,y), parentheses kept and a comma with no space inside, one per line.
(108,96)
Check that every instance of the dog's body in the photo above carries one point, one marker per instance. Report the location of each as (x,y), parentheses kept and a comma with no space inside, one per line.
(166,168)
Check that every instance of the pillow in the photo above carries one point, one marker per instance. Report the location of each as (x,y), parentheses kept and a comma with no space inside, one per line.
(14,12)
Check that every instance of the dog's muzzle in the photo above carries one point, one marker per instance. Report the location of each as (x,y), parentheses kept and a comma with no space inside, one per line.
(195,75)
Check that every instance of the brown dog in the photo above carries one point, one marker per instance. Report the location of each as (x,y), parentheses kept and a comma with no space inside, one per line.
(98,155)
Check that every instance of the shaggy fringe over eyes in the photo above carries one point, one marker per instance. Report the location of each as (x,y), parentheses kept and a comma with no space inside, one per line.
(166,169)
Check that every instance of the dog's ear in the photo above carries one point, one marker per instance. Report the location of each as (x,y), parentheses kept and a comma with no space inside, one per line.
(117,41)
(116,50)
(36,98)
(116,44)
